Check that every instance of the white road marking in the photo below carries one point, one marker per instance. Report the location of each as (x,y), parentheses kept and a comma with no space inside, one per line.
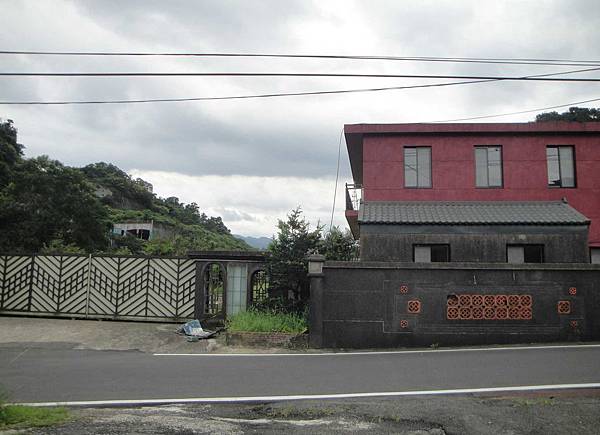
(139,402)
(389,352)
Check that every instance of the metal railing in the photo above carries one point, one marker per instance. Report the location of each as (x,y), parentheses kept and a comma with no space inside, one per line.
(353,196)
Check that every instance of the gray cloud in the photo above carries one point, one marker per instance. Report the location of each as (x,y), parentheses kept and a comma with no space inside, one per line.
(205,24)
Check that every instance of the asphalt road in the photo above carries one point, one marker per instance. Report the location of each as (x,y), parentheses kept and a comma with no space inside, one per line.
(55,375)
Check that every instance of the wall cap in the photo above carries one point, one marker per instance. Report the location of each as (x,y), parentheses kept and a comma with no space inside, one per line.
(459,266)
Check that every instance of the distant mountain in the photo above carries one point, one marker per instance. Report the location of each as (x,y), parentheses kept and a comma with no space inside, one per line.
(256,242)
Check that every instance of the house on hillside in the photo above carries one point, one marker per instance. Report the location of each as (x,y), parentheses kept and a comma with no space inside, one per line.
(502,192)
(144,230)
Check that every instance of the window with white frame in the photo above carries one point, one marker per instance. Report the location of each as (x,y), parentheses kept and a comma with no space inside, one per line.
(517,254)
(437,253)
(417,167)
(561,166)
(488,166)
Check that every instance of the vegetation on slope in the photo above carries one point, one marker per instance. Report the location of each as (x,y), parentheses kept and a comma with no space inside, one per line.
(48,207)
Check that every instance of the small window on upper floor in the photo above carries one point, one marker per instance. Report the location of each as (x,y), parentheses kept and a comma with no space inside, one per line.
(431,253)
(488,166)
(517,254)
(417,166)
(595,255)
(561,166)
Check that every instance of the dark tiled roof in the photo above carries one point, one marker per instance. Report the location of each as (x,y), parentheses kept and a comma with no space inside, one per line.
(470,213)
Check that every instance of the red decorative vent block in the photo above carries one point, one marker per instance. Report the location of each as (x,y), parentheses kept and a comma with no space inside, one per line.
(513,300)
(489,300)
(452,313)
(501,313)
(404,323)
(573,291)
(574,324)
(403,289)
(564,307)
(464,300)
(525,300)
(526,313)
(500,300)
(414,306)
(477,300)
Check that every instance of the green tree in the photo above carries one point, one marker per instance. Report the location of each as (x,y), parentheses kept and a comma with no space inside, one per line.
(127,244)
(287,263)
(47,201)
(58,246)
(159,247)
(339,245)
(579,114)
(11,152)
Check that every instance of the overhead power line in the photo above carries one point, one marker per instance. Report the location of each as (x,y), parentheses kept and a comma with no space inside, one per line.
(539,109)
(482,60)
(241,97)
(288,74)
(272,95)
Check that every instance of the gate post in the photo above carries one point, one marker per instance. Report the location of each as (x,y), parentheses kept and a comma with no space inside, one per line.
(87,293)
(315,313)
(199,291)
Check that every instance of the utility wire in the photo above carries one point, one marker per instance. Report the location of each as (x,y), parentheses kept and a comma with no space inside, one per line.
(240,97)
(483,60)
(288,74)
(272,95)
(337,176)
(517,113)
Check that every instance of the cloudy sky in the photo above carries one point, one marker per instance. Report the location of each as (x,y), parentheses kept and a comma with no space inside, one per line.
(252,161)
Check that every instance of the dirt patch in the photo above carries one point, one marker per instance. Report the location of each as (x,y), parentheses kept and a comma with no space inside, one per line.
(267,340)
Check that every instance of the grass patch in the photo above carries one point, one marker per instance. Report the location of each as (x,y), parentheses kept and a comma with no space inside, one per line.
(15,416)
(258,321)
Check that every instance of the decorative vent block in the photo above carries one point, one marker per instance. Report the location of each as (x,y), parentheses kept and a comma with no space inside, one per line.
(414,306)
(564,307)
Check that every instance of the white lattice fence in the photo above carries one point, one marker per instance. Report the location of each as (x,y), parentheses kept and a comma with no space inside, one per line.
(98,286)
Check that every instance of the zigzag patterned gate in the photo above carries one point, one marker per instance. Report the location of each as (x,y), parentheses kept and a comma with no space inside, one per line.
(98,286)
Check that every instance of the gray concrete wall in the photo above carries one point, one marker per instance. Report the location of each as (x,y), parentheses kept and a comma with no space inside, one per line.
(562,244)
(365,304)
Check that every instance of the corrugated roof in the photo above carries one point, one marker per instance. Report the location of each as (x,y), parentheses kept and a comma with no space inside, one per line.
(470,213)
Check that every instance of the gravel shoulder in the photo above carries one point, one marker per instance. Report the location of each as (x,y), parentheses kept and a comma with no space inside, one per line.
(567,413)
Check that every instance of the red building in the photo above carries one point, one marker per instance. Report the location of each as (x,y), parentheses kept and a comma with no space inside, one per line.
(536,161)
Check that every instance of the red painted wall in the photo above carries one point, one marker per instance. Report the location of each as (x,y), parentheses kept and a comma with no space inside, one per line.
(453,170)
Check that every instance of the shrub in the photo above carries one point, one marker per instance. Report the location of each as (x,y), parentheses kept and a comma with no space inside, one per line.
(261,321)
(281,305)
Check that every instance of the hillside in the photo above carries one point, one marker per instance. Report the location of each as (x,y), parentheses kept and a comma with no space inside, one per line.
(130,200)
(46,206)
(260,243)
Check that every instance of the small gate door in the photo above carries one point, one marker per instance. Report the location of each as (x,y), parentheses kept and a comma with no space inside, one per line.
(237,284)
